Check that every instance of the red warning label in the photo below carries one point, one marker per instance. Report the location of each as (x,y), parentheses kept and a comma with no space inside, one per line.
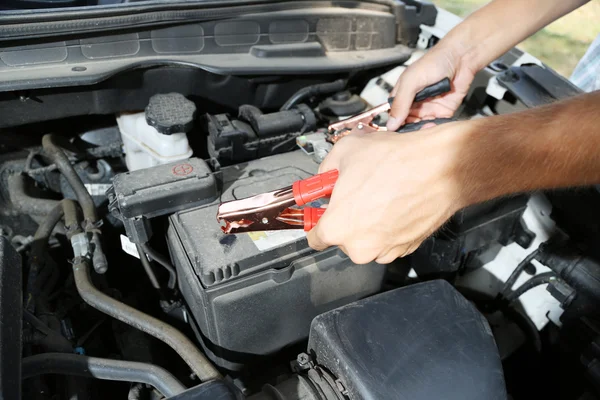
(182,169)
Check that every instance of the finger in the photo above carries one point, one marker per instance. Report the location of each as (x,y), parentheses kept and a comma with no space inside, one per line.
(411,120)
(390,255)
(361,257)
(411,249)
(432,109)
(362,251)
(327,232)
(406,89)
(316,239)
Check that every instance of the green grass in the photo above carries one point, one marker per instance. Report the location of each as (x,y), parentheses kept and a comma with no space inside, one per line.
(561,44)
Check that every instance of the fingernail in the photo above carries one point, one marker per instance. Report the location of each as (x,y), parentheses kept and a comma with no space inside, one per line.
(392,123)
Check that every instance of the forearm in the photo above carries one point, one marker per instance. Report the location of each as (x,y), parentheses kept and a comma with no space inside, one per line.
(548,147)
(497,27)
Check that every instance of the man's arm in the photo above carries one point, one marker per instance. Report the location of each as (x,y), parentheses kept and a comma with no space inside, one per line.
(547,147)
(478,40)
(395,190)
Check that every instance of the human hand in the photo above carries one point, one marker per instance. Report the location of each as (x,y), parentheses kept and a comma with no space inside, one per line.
(393,191)
(437,64)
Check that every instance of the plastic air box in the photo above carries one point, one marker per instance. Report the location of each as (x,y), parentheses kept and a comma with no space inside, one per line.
(252,294)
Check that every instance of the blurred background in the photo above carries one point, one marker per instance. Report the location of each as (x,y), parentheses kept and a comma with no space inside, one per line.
(560,45)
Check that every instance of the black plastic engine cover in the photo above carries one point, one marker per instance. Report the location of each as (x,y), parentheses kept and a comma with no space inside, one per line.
(421,342)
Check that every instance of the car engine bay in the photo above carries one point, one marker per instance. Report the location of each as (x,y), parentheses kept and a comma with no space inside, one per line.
(117,280)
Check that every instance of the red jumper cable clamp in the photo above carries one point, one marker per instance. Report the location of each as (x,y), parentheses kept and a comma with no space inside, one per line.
(275,210)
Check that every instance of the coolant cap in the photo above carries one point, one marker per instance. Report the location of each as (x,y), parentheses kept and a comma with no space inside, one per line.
(170,113)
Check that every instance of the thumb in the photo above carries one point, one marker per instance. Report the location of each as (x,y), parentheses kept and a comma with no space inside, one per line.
(315,238)
(405,92)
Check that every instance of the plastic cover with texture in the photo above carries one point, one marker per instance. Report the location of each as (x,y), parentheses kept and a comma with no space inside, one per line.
(420,342)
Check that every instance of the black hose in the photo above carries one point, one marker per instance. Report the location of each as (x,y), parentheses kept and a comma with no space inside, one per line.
(159,258)
(38,250)
(517,272)
(102,368)
(85,200)
(52,340)
(58,156)
(152,326)
(24,203)
(301,119)
(147,267)
(537,280)
(314,90)
(70,208)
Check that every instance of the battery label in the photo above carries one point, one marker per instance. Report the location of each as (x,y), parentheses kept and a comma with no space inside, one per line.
(267,240)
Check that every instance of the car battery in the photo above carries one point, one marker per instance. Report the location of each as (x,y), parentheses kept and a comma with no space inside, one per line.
(255,293)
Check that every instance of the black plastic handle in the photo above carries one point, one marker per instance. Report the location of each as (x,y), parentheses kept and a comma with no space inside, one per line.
(415,126)
(436,89)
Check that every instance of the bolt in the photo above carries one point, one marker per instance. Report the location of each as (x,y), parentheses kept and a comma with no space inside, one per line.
(508,76)
(302,359)
(360,125)
(265,220)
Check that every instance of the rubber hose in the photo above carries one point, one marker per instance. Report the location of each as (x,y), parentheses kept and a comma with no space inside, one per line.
(147,267)
(150,325)
(537,280)
(276,123)
(25,203)
(38,249)
(71,219)
(58,156)
(83,197)
(314,90)
(517,272)
(102,368)
(54,340)
(156,256)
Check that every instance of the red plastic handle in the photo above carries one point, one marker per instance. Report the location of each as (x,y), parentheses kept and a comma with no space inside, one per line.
(315,187)
(312,216)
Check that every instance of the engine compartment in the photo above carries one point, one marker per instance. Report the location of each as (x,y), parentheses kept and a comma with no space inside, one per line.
(125,268)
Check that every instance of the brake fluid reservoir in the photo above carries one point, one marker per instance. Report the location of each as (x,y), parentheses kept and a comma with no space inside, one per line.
(157,135)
